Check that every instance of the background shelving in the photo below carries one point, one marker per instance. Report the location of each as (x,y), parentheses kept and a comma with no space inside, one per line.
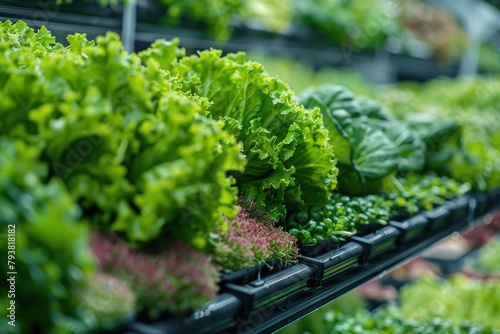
(140,27)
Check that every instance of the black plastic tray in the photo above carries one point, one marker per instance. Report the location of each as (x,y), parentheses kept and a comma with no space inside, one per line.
(319,248)
(493,198)
(411,228)
(400,216)
(334,262)
(378,242)
(240,276)
(272,290)
(214,317)
(249,274)
(458,207)
(438,217)
(368,228)
(482,203)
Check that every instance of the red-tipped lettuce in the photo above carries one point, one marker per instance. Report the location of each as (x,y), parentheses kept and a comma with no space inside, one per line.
(177,280)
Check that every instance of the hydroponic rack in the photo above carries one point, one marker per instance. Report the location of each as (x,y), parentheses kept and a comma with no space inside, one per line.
(265,305)
(268,304)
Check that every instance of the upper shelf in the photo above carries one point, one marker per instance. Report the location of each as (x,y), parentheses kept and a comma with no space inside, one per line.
(274,301)
(378,66)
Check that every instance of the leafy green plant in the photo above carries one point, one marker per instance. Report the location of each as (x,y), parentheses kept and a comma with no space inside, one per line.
(369,143)
(177,280)
(459,122)
(389,321)
(442,139)
(353,25)
(488,260)
(343,217)
(138,156)
(220,16)
(51,256)
(314,322)
(455,299)
(291,163)
(105,301)
(407,195)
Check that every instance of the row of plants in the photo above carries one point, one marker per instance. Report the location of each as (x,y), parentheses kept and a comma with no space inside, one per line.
(134,179)
(455,299)
(443,112)
(391,321)
(403,26)
(487,261)
(459,122)
(419,301)
(347,215)
(427,305)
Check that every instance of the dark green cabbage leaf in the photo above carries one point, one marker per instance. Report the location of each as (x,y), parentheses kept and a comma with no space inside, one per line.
(369,143)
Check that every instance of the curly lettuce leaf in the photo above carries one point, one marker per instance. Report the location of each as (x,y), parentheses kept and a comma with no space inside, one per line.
(138,156)
(290,160)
